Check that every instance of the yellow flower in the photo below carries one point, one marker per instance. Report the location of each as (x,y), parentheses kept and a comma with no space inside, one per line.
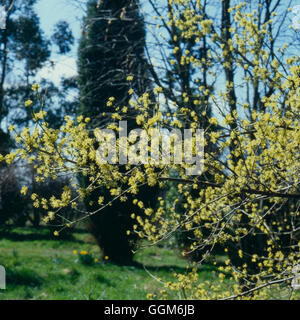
(83,252)
(56,233)
(24,190)
(158,89)
(106,257)
(40,115)
(33,196)
(140,204)
(100,200)
(79,118)
(74,251)
(11,128)
(28,103)
(35,87)
(129,78)
(51,215)
(213,121)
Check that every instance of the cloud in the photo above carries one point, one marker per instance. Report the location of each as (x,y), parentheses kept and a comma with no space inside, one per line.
(296,19)
(63,67)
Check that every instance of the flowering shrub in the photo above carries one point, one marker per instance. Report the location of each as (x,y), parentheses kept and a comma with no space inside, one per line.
(247,198)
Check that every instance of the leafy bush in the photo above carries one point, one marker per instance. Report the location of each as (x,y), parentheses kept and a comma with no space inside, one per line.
(13,206)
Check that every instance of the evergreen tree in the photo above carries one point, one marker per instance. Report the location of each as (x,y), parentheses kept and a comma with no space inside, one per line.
(111,49)
(22,44)
(24,51)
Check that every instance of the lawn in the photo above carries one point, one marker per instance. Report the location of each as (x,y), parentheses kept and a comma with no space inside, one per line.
(39,266)
(42,267)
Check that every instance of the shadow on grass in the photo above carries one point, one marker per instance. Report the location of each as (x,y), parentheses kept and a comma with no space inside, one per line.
(100,278)
(71,275)
(23,277)
(141,266)
(207,267)
(31,234)
(177,269)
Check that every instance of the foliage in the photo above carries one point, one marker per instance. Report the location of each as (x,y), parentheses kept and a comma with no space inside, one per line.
(24,51)
(63,37)
(111,49)
(23,44)
(13,207)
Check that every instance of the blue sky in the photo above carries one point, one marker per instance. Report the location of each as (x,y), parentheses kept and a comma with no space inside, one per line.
(50,12)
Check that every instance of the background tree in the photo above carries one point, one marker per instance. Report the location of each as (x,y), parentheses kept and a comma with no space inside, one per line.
(24,51)
(22,44)
(111,49)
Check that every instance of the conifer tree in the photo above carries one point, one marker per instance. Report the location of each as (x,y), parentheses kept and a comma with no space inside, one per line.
(111,50)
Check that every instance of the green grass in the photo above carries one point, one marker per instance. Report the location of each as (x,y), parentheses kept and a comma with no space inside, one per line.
(41,267)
